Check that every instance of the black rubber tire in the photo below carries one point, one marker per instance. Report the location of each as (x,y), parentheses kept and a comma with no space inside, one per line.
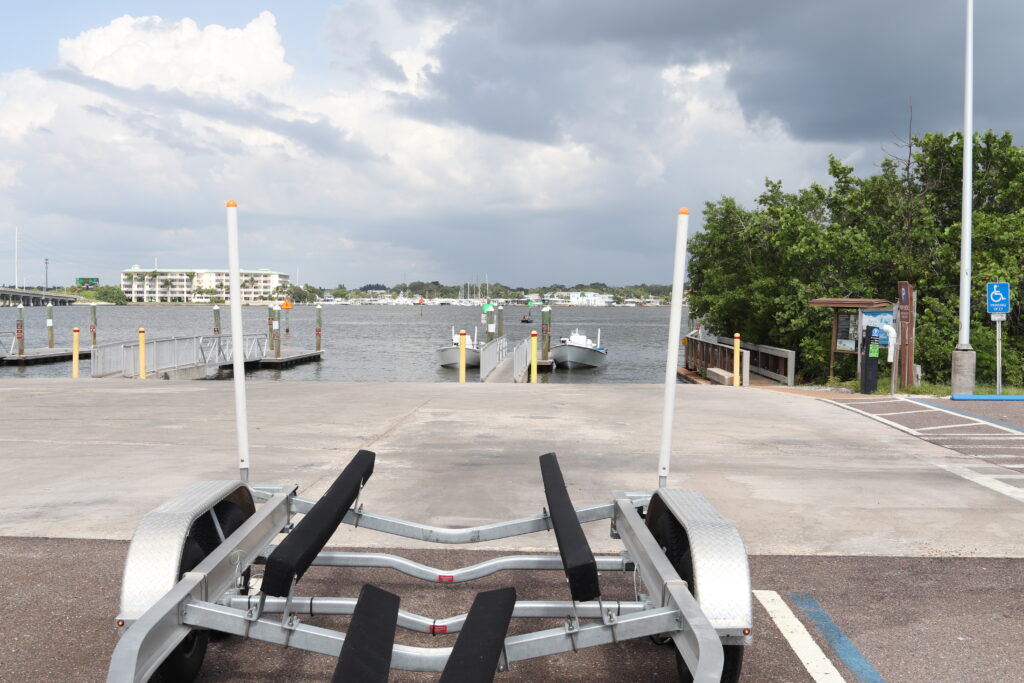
(184,662)
(676,545)
(231,517)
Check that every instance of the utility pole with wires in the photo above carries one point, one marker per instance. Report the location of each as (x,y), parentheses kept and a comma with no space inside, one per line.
(46,275)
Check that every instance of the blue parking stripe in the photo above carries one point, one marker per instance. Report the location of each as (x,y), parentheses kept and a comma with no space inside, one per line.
(837,640)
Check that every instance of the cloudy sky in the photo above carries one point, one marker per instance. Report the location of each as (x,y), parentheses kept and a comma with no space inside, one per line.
(528,141)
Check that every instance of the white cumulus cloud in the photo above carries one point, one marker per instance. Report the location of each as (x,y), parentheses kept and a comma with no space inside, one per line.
(212,60)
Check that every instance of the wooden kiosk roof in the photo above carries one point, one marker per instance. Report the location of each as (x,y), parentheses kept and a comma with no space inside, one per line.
(850,303)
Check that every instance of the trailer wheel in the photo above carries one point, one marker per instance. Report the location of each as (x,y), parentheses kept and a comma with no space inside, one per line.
(185,660)
(676,545)
(230,516)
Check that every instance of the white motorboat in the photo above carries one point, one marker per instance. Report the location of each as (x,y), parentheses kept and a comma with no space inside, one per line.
(448,356)
(577,351)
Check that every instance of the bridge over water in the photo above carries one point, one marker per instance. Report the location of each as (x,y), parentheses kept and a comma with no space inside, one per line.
(25,297)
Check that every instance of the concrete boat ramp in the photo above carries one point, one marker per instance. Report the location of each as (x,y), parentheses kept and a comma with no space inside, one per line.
(917,565)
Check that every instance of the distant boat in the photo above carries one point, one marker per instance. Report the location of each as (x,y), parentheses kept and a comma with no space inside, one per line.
(526,319)
(577,351)
(448,356)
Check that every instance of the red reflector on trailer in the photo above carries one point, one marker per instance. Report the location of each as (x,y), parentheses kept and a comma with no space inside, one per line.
(445,578)
(438,628)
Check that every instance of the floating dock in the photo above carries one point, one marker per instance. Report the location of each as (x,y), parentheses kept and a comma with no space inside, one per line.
(44,355)
(287,360)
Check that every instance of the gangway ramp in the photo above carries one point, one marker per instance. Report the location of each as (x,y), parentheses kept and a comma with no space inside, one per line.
(179,357)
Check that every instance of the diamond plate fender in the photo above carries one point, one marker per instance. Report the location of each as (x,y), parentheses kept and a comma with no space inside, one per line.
(720,571)
(154,555)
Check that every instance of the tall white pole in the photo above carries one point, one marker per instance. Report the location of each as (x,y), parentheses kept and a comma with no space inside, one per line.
(964,357)
(964,340)
(15,257)
(672,362)
(237,350)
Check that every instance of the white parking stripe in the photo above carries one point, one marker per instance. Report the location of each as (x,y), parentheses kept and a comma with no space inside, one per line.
(999,446)
(962,424)
(894,425)
(1009,430)
(902,412)
(986,480)
(811,656)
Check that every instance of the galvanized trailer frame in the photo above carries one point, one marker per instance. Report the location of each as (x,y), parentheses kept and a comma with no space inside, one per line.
(157,614)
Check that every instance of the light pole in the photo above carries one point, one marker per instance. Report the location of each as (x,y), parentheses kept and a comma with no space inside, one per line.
(964,358)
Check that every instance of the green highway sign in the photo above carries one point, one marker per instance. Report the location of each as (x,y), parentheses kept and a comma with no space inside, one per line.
(87,281)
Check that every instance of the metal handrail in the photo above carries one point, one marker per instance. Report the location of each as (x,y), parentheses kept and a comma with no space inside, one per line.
(520,360)
(172,353)
(491,355)
(14,341)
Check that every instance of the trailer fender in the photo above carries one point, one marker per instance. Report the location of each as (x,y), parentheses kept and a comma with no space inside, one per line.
(154,555)
(721,574)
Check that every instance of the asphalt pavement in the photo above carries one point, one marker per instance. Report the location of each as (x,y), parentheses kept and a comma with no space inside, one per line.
(895,548)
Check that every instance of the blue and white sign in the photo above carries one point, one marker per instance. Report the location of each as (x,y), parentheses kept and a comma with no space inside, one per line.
(877,319)
(998,298)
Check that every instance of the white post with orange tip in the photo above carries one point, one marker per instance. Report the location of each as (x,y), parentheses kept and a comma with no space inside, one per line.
(675,322)
(237,348)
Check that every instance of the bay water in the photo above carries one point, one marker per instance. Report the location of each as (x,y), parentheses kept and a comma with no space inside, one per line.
(364,343)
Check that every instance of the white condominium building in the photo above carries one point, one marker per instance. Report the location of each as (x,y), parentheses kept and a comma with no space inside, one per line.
(579,299)
(199,285)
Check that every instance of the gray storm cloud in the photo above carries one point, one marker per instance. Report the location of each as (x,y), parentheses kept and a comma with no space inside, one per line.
(830,71)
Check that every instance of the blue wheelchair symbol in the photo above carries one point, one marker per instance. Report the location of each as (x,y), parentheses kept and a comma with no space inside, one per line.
(998,297)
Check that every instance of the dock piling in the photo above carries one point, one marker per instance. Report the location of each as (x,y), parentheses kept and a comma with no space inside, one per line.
(501,321)
(462,356)
(92,322)
(319,324)
(74,353)
(489,310)
(270,328)
(533,356)
(545,331)
(49,326)
(142,353)
(19,330)
(216,319)
(277,331)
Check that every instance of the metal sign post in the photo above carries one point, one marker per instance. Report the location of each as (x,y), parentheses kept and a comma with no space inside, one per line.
(671,366)
(998,300)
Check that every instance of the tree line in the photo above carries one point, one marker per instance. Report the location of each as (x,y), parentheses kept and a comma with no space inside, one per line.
(753,270)
(497,290)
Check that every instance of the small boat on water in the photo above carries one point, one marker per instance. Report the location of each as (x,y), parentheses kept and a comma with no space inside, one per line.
(526,319)
(448,356)
(577,351)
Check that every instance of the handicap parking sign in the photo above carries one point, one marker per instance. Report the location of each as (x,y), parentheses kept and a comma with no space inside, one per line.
(998,297)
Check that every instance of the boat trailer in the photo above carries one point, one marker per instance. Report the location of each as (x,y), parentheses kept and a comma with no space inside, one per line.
(189,572)
(190,567)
